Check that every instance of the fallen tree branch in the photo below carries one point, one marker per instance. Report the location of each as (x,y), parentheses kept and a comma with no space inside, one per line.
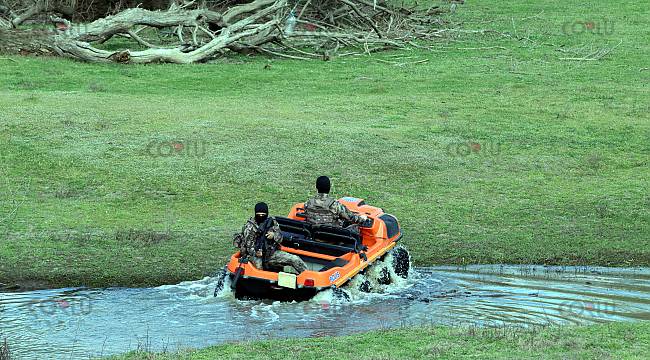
(596,55)
(124,21)
(231,34)
(38,7)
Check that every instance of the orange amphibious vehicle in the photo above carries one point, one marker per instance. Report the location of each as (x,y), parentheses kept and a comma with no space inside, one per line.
(333,255)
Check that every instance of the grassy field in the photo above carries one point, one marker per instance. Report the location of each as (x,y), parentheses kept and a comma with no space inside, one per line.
(138,175)
(612,341)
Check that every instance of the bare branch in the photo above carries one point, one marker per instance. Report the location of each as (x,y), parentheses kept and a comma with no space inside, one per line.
(358,12)
(141,41)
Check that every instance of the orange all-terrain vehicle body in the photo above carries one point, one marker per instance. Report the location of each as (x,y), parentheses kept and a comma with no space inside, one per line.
(333,255)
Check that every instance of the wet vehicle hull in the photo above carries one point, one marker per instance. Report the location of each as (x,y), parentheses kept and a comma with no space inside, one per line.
(251,288)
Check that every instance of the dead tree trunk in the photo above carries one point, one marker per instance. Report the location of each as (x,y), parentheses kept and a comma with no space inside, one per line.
(70,40)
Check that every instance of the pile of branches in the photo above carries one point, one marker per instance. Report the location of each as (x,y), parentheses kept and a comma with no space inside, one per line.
(198,31)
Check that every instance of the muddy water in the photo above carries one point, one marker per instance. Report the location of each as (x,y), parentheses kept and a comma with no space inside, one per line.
(76,323)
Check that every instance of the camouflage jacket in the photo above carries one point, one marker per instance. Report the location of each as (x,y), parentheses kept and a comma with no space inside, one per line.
(322,209)
(245,240)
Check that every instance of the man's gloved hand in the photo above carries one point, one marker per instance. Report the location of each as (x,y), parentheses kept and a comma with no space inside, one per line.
(363,217)
(270,235)
(258,253)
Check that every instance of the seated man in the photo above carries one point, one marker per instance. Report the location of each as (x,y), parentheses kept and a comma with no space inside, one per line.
(260,241)
(324,210)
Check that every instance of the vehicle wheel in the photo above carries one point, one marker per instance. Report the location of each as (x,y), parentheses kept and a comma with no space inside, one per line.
(221,281)
(340,294)
(384,276)
(364,286)
(401,262)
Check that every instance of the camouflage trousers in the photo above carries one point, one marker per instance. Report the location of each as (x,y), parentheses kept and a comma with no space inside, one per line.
(281,259)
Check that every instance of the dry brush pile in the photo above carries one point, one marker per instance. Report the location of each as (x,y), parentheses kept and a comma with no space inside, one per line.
(198,31)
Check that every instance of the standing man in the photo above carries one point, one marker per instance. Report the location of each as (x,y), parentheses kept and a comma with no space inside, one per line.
(324,210)
(260,240)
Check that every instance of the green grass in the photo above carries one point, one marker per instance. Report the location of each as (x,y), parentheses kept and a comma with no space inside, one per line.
(611,341)
(561,177)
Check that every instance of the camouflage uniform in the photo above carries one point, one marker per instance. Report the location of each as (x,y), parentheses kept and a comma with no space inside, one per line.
(245,241)
(324,210)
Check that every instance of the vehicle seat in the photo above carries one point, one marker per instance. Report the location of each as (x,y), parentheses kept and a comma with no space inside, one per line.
(335,235)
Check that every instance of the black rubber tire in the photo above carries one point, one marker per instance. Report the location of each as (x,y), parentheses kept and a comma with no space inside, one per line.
(401,262)
(365,286)
(384,276)
(221,281)
(341,294)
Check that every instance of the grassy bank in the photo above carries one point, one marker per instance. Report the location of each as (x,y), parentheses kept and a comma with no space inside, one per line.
(611,341)
(138,175)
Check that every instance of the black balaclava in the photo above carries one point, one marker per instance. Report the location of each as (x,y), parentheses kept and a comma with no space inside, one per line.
(323,185)
(261,208)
